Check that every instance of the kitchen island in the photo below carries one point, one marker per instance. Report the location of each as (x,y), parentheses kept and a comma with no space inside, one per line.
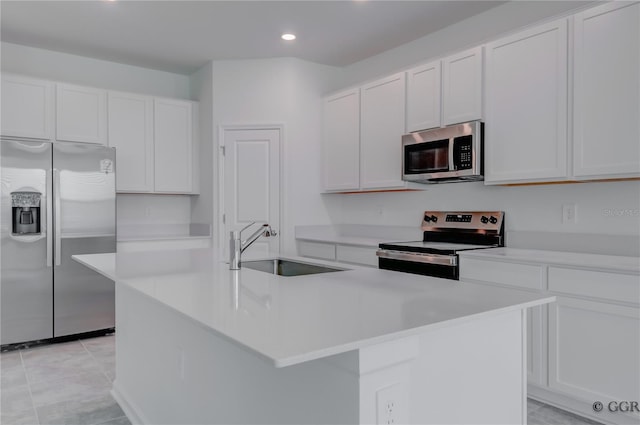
(199,343)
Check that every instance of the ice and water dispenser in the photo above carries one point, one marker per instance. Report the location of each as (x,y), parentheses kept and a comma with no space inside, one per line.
(25,213)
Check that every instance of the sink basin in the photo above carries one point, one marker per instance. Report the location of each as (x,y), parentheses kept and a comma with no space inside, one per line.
(283,267)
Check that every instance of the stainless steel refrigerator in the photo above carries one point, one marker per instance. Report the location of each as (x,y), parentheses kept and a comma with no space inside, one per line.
(57,199)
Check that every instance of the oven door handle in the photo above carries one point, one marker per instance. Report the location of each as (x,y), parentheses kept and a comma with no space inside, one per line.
(445,260)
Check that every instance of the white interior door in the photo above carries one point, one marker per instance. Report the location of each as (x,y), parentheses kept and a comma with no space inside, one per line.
(251,185)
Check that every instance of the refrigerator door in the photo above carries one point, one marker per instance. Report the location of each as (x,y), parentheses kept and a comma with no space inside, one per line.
(26,278)
(85,223)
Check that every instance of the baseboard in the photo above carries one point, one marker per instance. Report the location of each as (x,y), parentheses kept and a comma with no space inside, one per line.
(132,413)
(580,408)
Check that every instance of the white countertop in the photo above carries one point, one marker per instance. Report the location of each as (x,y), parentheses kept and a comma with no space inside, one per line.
(291,320)
(614,263)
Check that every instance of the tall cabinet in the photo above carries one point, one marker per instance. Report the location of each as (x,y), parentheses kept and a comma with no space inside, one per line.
(526,106)
(173,147)
(341,147)
(131,133)
(606,124)
(382,125)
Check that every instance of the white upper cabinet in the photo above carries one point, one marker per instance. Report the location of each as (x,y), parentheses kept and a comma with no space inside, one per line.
(462,87)
(173,147)
(423,97)
(81,114)
(341,141)
(606,122)
(382,123)
(131,133)
(27,107)
(445,92)
(526,106)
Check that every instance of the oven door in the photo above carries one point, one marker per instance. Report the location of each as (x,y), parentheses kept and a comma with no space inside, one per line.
(436,265)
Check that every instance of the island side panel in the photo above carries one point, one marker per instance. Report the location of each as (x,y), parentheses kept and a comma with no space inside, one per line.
(170,370)
(466,373)
(472,373)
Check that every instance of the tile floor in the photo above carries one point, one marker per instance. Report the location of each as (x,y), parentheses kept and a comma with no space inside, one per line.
(69,383)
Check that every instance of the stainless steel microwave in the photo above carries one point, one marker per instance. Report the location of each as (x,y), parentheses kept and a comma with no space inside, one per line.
(441,155)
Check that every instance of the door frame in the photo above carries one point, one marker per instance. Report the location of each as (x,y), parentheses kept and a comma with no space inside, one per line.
(222,237)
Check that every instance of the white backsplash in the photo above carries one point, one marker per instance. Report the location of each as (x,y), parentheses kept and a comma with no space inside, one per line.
(140,209)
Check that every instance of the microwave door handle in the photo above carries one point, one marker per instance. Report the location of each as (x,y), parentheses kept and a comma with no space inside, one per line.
(452,141)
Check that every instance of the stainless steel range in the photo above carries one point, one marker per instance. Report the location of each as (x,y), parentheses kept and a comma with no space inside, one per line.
(445,234)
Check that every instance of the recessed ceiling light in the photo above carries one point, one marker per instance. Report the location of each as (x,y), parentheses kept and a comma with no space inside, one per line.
(288,37)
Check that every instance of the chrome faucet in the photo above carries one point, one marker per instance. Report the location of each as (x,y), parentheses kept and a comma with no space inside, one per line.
(237,245)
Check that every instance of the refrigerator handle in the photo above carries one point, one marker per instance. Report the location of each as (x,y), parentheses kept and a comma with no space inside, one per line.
(56,215)
(49,218)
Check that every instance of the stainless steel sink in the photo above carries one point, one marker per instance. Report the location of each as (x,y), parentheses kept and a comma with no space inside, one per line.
(282,267)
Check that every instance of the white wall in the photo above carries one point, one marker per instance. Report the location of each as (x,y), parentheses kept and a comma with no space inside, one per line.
(202,210)
(138,209)
(289,92)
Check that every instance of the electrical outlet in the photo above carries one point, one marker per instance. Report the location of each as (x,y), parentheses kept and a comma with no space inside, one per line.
(569,212)
(389,403)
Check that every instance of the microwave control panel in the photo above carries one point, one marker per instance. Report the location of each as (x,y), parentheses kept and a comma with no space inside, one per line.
(462,153)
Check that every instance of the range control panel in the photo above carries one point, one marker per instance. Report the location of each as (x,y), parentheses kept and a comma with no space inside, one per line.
(470,220)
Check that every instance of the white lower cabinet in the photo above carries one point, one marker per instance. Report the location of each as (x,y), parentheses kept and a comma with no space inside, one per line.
(357,255)
(593,350)
(343,253)
(586,346)
(321,250)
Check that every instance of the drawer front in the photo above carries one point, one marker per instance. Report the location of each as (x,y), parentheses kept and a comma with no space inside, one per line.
(607,286)
(512,274)
(357,255)
(325,251)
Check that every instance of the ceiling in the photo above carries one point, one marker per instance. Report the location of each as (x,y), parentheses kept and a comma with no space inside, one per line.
(181,36)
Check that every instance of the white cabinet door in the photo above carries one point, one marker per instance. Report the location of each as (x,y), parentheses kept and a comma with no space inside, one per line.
(594,350)
(462,87)
(173,146)
(382,125)
(341,141)
(423,97)
(607,92)
(526,106)
(27,107)
(81,114)
(131,133)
